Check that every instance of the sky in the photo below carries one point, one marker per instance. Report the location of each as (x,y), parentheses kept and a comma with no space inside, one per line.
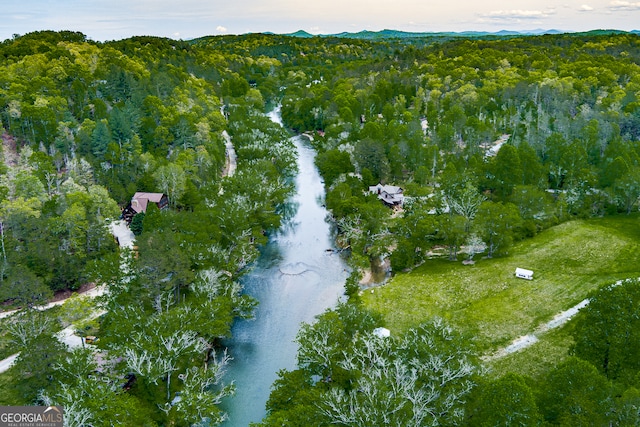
(102,20)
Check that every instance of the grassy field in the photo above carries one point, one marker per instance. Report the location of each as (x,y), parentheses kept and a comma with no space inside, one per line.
(539,358)
(489,304)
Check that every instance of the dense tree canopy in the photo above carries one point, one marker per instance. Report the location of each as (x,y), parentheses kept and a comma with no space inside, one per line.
(357,378)
(606,332)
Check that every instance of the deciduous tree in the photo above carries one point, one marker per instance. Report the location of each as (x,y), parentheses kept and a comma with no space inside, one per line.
(504,402)
(496,224)
(575,393)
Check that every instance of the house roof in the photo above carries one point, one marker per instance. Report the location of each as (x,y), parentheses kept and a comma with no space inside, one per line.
(390,189)
(140,200)
(388,193)
(153,197)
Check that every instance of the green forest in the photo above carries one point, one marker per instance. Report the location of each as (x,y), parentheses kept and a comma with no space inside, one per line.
(505,148)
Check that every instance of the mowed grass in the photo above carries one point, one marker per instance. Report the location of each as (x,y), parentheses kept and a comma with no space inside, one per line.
(490,305)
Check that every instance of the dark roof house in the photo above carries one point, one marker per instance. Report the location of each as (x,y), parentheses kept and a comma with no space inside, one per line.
(389,194)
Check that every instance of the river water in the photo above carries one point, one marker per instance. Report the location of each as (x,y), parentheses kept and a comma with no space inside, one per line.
(295,279)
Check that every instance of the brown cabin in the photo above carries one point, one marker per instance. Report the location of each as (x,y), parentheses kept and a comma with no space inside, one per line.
(140,201)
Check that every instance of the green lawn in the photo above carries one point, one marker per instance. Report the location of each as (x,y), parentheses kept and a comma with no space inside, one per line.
(488,303)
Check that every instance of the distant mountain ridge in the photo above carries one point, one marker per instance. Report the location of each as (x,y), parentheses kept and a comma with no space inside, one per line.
(396,34)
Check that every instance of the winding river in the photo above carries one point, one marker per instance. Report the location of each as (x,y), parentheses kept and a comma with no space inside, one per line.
(295,279)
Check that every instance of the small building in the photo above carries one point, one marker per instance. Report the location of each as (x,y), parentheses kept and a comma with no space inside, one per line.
(139,204)
(389,194)
(524,274)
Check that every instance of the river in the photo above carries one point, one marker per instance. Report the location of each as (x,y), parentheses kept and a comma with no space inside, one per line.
(294,280)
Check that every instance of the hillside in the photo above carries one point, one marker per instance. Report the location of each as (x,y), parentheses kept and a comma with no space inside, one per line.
(395,34)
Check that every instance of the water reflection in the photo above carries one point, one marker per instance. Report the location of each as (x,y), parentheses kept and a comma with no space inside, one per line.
(287,210)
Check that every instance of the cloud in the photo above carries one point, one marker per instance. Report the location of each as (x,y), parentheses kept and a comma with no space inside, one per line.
(221,29)
(624,5)
(516,15)
(585,8)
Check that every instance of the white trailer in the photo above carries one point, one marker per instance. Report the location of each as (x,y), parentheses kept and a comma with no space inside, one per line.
(524,274)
